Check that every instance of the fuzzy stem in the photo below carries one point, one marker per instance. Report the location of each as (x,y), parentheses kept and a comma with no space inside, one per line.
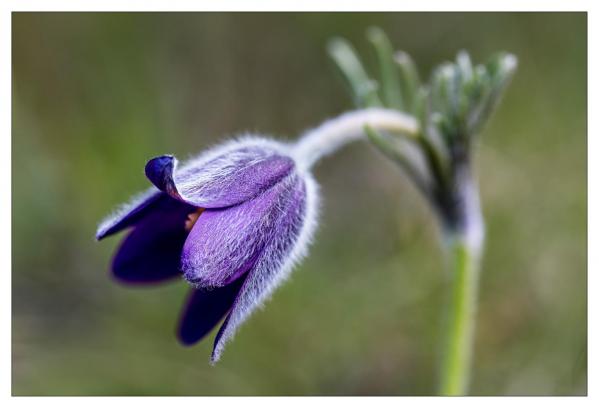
(348,127)
(464,250)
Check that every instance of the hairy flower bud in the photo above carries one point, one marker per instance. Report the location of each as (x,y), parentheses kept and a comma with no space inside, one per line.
(233,221)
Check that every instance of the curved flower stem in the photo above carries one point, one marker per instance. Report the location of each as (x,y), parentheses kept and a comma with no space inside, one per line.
(348,127)
(461,216)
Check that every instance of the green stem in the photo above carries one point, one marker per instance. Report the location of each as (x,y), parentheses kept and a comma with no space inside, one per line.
(464,244)
(457,354)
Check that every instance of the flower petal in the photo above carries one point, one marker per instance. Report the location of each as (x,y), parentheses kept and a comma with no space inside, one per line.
(293,230)
(129,213)
(225,243)
(205,308)
(227,179)
(152,251)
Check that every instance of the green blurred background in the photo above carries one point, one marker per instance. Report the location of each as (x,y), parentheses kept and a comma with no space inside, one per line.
(96,95)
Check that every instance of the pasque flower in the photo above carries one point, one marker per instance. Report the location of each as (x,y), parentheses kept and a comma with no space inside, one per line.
(233,222)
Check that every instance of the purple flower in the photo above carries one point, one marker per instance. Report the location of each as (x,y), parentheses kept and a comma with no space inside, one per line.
(233,221)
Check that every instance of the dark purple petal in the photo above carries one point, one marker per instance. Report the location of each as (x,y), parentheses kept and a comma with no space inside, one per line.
(291,232)
(152,251)
(225,243)
(204,309)
(129,214)
(224,180)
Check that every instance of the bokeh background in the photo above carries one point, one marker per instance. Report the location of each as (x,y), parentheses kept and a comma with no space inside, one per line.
(96,95)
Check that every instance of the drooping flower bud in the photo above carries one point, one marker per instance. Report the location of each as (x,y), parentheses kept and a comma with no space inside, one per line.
(234,222)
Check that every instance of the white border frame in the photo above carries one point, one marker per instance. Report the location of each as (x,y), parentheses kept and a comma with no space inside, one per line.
(8,6)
